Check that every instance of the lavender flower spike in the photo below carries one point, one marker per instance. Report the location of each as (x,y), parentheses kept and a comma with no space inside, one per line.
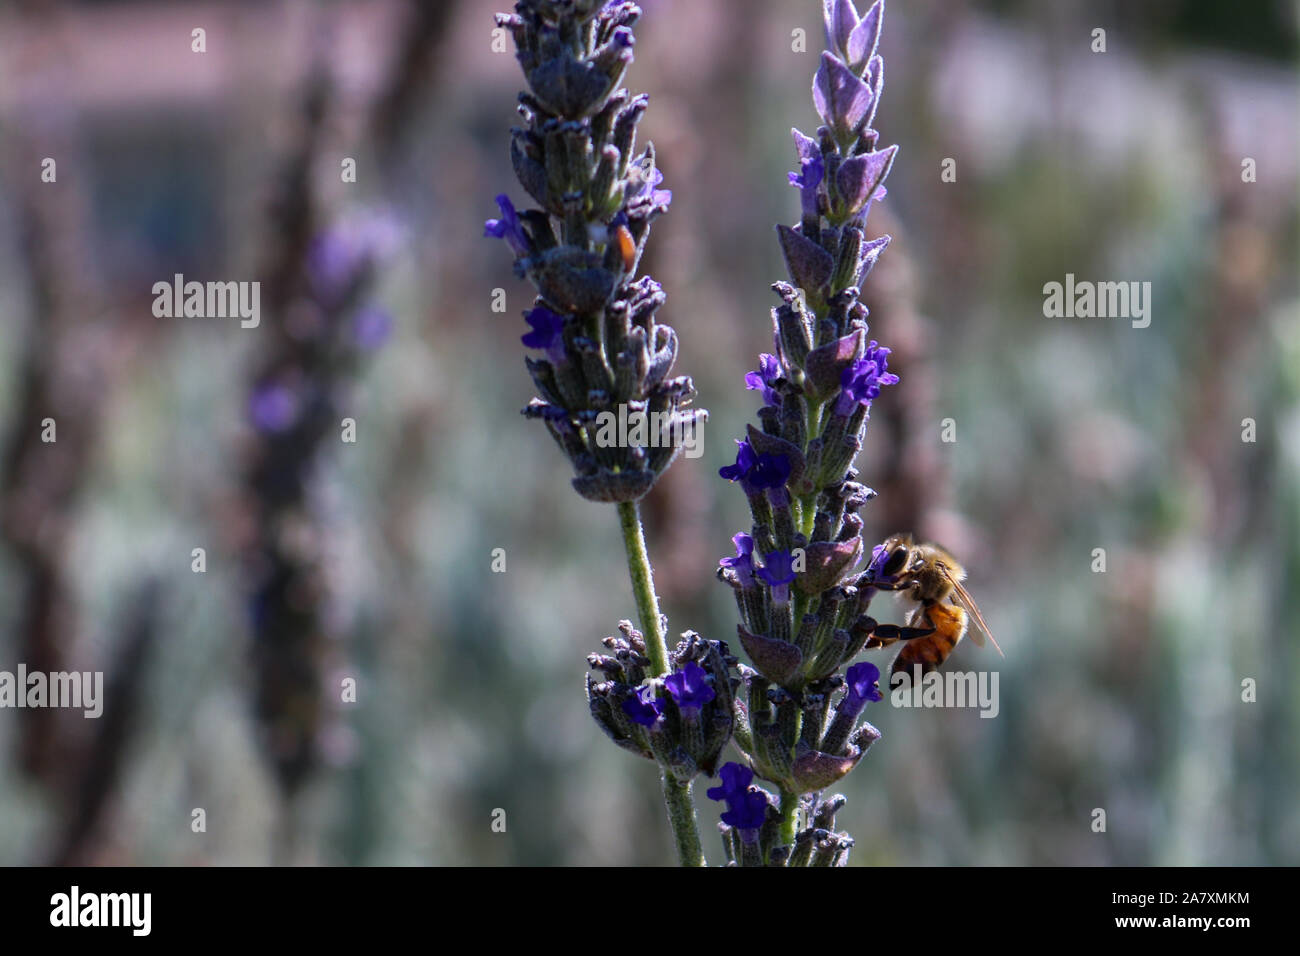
(803,612)
(601,358)
(596,197)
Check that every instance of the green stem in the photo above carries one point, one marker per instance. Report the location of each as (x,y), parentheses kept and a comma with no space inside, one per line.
(643,586)
(681,815)
(677,795)
(789,816)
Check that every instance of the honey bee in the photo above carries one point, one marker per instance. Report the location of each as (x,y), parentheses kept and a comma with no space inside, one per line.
(932,578)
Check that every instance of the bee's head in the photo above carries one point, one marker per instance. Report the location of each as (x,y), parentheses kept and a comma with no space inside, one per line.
(890,558)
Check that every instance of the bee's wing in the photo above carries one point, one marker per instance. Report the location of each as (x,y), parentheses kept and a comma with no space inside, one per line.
(961,597)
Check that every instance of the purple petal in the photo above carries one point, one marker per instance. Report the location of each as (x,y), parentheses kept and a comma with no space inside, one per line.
(507,227)
(770,471)
(736,779)
(546,326)
(643,708)
(745,460)
(862,679)
(747,812)
(778,568)
(688,687)
(371,327)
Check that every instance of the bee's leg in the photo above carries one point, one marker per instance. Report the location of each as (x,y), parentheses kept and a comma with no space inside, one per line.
(882,586)
(893,632)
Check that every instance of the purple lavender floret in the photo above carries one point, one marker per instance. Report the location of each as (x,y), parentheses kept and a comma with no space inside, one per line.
(687,728)
(746,459)
(643,707)
(688,688)
(812,170)
(647,187)
(852,37)
(862,682)
(769,370)
(748,813)
(756,471)
(858,180)
(770,471)
(743,562)
(861,382)
(778,574)
(273,407)
(777,569)
(340,257)
(746,808)
(736,779)
(547,333)
(371,327)
(507,227)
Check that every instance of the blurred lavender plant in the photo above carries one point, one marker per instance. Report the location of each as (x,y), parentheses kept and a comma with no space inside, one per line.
(601,352)
(318,279)
(294,404)
(802,604)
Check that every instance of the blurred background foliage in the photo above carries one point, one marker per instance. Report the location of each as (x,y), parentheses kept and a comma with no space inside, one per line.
(1120,690)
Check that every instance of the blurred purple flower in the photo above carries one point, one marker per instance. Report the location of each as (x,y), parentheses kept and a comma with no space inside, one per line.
(371,327)
(273,407)
(337,256)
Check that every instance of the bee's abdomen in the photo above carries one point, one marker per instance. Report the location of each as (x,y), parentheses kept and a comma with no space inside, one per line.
(949,623)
